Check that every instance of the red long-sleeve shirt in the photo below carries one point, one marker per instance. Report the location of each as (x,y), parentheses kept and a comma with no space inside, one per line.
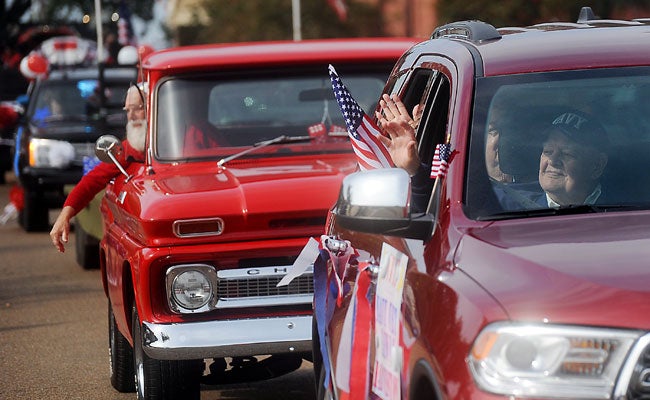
(97,179)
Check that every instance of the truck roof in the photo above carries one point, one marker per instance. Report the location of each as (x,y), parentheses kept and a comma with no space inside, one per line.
(552,46)
(281,52)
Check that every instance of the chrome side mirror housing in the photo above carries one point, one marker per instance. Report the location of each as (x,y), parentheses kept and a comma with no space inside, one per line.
(378,201)
(379,193)
(108,148)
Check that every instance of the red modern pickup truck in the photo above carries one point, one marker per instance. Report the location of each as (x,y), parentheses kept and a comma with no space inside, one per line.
(245,153)
(524,272)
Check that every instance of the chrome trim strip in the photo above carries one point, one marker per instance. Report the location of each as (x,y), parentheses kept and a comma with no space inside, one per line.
(228,338)
(624,377)
(257,272)
(265,301)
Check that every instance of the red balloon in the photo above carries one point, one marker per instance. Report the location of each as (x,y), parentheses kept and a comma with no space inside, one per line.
(17,196)
(37,63)
(8,116)
(33,65)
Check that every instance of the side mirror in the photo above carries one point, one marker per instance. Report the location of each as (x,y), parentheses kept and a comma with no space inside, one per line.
(378,201)
(108,148)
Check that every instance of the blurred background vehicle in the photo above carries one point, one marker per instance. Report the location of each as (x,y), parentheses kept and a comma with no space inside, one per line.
(70,103)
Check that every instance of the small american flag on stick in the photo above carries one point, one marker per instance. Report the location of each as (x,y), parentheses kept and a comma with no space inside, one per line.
(440,160)
(125,33)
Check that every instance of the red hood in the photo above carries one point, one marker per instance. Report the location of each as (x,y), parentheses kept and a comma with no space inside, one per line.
(261,187)
(253,199)
(587,269)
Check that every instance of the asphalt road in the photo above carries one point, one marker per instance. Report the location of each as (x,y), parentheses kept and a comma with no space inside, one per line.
(53,329)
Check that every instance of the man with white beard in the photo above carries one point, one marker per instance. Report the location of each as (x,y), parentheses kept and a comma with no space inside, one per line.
(97,179)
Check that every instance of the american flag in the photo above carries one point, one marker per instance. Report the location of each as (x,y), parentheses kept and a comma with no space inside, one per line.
(440,160)
(125,34)
(339,8)
(364,134)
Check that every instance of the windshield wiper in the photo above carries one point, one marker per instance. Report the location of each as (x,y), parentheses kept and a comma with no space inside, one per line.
(564,210)
(264,143)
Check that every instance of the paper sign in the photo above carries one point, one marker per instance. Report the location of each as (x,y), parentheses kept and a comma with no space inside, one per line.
(305,260)
(388,302)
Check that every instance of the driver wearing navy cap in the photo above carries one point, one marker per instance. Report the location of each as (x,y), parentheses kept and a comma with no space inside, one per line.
(574,156)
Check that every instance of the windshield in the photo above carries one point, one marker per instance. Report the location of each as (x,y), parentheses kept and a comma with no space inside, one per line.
(58,100)
(213,117)
(564,142)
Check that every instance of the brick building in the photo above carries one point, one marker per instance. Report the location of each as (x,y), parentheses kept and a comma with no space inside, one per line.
(409,17)
(415,18)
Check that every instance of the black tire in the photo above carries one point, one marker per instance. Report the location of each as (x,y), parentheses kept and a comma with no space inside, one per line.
(317,358)
(120,356)
(322,393)
(34,216)
(86,249)
(163,379)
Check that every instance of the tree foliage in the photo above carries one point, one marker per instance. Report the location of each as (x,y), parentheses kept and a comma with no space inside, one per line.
(23,26)
(251,20)
(10,16)
(60,11)
(529,12)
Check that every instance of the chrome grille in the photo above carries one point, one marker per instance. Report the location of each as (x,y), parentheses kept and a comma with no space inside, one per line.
(263,286)
(257,287)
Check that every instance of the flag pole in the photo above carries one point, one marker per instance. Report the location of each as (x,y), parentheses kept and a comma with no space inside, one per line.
(295,12)
(100,34)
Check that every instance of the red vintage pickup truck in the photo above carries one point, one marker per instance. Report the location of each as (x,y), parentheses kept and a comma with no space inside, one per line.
(245,153)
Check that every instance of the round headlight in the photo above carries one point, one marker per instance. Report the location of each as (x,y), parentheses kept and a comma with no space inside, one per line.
(191,289)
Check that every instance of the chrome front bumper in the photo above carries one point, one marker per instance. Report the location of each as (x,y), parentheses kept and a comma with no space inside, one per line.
(231,338)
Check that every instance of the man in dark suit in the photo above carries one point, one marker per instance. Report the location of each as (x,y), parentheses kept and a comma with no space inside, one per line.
(572,161)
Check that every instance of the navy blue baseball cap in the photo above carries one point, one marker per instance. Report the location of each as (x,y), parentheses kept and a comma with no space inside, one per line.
(581,128)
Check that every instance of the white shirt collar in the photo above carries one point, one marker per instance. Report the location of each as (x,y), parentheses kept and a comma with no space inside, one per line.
(591,199)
